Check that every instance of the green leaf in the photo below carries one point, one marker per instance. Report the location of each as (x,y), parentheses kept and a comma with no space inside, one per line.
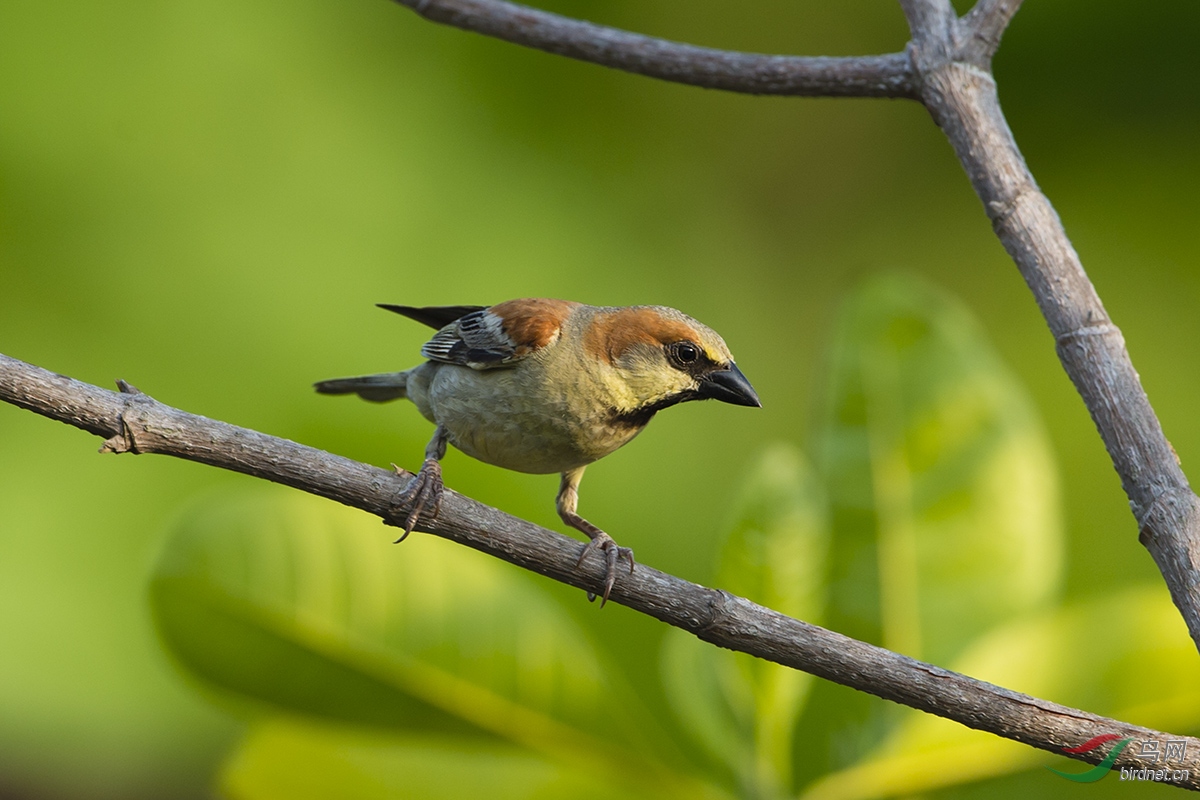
(294,760)
(776,548)
(743,710)
(1126,656)
(307,606)
(942,488)
(940,476)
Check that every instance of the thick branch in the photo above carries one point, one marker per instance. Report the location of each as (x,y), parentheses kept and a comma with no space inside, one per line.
(962,99)
(132,422)
(750,73)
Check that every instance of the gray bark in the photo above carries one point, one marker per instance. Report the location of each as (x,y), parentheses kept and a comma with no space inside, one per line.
(132,422)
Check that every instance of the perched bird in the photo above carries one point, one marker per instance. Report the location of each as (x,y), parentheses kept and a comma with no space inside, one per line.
(545,386)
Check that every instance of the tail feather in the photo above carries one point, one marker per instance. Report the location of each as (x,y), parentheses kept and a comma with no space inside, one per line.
(376,388)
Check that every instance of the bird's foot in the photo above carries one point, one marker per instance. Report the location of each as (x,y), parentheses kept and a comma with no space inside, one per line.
(423,492)
(612,554)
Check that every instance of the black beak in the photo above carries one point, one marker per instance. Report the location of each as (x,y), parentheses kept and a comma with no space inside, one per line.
(729,386)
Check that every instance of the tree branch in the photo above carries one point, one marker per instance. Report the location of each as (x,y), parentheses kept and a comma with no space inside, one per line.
(980,30)
(749,73)
(133,422)
(962,99)
(928,20)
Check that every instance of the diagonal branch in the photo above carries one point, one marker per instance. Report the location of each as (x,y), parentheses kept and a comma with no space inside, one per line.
(750,73)
(980,30)
(962,99)
(132,422)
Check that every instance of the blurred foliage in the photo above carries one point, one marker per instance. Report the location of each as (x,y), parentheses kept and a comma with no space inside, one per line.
(743,710)
(942,490)
(205,199)
(940,476)
(408,670)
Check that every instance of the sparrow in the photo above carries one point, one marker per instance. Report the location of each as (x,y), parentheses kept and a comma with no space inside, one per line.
(544,386)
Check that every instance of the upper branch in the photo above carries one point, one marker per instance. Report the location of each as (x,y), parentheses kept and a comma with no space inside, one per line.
(929,20)
(980,30)
(133,422)
(958,90)
(749,73)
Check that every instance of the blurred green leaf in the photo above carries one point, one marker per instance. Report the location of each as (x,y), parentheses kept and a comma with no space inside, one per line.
(291,760)
(1126,656)
(942,489)
(306,605)
(941,480)
(776,548)
(743,710)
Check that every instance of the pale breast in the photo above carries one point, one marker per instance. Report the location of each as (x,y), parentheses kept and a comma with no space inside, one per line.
(503,417)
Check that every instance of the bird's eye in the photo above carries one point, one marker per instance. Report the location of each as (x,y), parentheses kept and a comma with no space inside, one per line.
(684,353)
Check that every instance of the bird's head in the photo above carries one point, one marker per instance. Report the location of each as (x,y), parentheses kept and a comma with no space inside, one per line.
(658,357)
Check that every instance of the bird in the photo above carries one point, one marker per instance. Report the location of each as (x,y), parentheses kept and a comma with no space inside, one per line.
(545,386)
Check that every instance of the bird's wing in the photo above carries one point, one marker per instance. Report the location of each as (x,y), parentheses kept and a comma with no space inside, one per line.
(499,336)
(433,316)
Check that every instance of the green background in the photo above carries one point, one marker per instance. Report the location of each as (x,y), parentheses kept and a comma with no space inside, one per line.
(206,199)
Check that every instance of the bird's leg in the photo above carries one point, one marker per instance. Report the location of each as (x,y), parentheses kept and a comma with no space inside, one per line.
(425,490)
(567,502)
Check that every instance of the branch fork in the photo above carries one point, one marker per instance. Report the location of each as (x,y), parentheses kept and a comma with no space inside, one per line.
(124,441)
(947,67)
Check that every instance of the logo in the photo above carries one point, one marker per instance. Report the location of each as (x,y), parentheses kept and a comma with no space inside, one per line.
(1100,770)
(1150,750)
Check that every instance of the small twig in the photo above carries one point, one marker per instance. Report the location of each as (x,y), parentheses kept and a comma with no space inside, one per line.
(750,73)
(714,616)
(929,21)
(980,30)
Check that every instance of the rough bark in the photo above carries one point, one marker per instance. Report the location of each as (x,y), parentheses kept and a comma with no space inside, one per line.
(132,422)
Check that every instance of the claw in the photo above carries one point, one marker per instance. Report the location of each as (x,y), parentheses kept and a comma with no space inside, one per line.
(424,491)
(612,555)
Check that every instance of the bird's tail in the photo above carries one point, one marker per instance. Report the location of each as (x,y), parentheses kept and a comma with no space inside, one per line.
(376,388)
